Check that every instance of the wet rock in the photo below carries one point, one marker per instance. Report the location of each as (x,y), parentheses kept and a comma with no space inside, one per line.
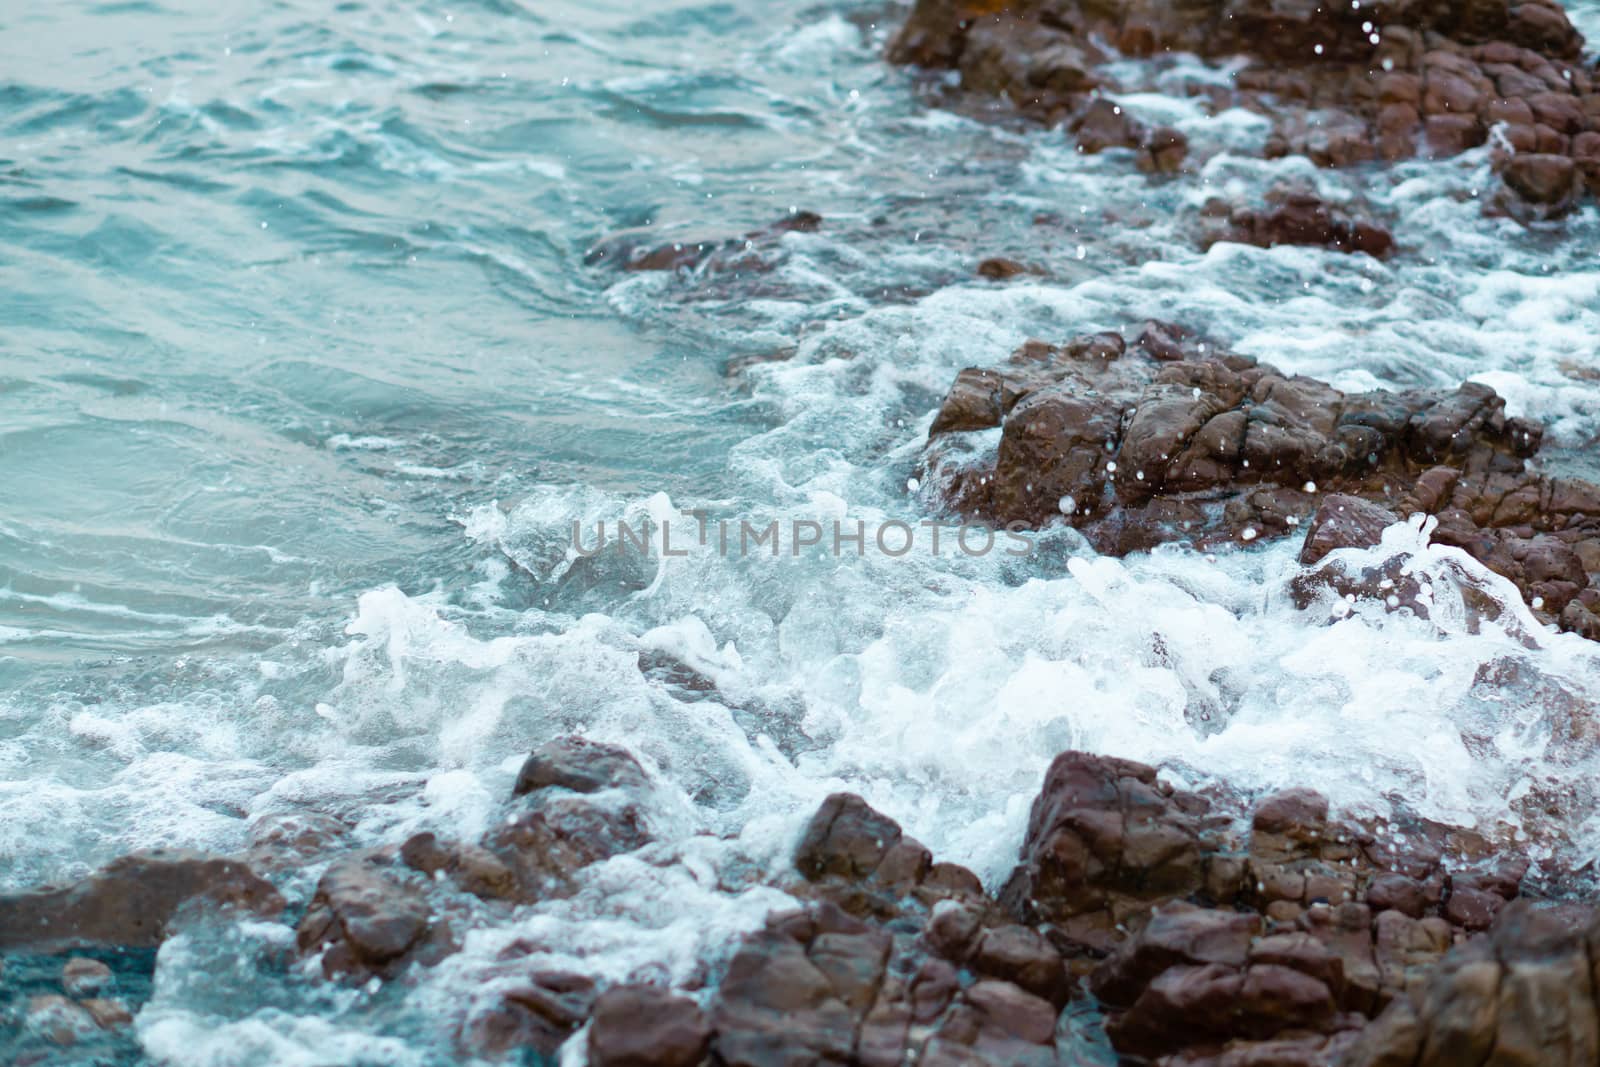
(758,251)
(581,765)
(1164,151)
(1275,946)
(577,802)
(58,1020)
(646,1026)
(131,901)
(1523,994)
(1343,521)
(1549,181)
(1173,440)
(108,1013)
(472,868)
(1106,842)
(1343,85)
(1203,943)
(287,842)
(1297,219)
(867,972)
(1103,125)
(1000,269)
(538,1015)
(367,920)
(846,838)
(81,976)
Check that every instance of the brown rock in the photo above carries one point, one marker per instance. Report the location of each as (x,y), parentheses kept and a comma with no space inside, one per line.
(645,1026)
(1542,179)
(81,976)
(539,1015)
(364,920)
(131,901)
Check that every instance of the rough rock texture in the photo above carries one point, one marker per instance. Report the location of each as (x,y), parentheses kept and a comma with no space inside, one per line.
(1344,84)
(575,801)
(872,970)
(646,1026)
(539,1014)
(1170,439)
(1526,994)
(1294,218)
(130,901)
(1204,941)
(578,802)
(367,919)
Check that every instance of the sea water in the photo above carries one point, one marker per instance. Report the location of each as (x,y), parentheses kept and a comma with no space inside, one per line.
(305,380)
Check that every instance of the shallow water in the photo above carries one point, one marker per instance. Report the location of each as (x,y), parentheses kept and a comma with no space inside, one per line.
(305,380)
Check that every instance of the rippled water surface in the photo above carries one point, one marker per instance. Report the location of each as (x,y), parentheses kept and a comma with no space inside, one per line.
(304,378)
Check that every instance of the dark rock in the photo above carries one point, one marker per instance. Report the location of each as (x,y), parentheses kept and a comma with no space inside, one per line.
(131,901)
(1344,521)
(1547,180)
(1161,442)
(1000,269)
(1299,219)
(758,251)
(1104,124)
(1523,994)
(847,838)
(581,765)
(645,1026)
(539,1015)
(579,802)
(472,868)
(365,920)
(1434,78)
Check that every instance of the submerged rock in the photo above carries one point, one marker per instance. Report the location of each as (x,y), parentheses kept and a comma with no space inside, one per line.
(1344,84)
(1294,218)
(753,252)
(538,1015)
(131,901)
(1169,439)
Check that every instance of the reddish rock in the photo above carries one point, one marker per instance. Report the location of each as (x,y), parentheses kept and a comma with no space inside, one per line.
(1299,219)
(131,901)
(1548,180)
(538,1016)
(1433,78)
(367,920)
(645,1026)
(1159,442)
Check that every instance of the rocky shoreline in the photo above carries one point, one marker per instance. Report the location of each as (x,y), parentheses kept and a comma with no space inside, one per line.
(1142,924)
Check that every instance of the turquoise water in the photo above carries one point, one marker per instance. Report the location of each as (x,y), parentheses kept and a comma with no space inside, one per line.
(305,377)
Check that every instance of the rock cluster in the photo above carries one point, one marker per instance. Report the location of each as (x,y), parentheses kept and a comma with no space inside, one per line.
(1142,923)
(1170,439)
(1202,940)
(1344,84)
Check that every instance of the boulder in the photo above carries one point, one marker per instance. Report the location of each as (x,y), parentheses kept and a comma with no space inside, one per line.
(131,901)
(646,1026)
